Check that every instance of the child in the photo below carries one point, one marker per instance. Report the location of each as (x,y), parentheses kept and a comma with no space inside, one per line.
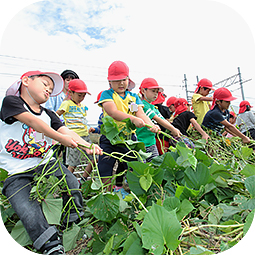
(149,90)
(26,132)
(74,113)
(54,103)
(218,117)
(119,103)
(170,104)
(165,112)
(184,118)
(246,119)
(200,101)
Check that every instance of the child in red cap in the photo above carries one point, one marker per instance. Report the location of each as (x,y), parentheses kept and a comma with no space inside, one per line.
(184,118)
(27,130)
(74,112)
(200,99)
(218,117)
(120,103)
(246,119)
(150,90)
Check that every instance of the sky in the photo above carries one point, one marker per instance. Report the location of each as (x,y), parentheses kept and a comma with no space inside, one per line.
(163,39)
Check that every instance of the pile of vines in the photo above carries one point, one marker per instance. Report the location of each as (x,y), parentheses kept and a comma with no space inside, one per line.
(188,201)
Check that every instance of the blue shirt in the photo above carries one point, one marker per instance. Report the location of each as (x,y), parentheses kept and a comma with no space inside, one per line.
(213,118)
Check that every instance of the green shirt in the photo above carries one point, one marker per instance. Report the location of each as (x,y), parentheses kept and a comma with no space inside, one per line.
(144,134)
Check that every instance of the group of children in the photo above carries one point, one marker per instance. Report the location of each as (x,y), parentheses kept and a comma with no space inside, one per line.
(28,130)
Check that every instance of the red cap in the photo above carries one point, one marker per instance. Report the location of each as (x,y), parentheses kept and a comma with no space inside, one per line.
(222,94)
(98,96)
(118,70)
(243,105)
(78,86)
(180,105)
(150,83)
(170,101)
(160,99)
(56,78)
(232,113)
(204,83)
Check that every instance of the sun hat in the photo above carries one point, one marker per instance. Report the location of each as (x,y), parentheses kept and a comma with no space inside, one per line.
(170,101)
(65,74)
(204,83)
(222,94)
(78,86)
(150,83)
(160,99)
(243,105)
(118,70)
(180,105)
(56,78)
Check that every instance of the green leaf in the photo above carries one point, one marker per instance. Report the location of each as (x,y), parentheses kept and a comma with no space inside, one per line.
(250,185)
(160,228)
(3,174)
(145,181)
(248,170)
(199,250)
(133,183)
(219,170)
(109,246)
(184,209)
(104,207)
(248,222)
(132,245)
(52,209)
(70,237)
(20,235)
(183,192)
(171,203)
(186,157)
(215,215)
(195,179)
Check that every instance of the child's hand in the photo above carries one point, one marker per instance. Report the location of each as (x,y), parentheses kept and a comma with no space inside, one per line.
(176,132)
(205,136)
(155,129)
(138,122)
(68,141)
(98,150)
(91,130)
(246,140)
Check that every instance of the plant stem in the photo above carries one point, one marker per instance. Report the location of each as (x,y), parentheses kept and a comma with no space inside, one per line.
(139,201)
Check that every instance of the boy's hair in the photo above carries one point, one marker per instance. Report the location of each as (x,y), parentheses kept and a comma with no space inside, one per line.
(69,74)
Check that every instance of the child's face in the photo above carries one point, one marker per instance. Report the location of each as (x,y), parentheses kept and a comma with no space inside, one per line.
(150,95)
(204,91)
(66,81)
(77,97)
(39,87)
(120,86)
(224,105)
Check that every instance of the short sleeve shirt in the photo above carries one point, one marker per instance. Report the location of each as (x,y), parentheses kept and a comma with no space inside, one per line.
(182,121)
(21,147)
(123,104)
(214,117)
(144,134)
(75,117)
(200,107)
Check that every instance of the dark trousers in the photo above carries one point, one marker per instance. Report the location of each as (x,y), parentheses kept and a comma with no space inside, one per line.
(17,190)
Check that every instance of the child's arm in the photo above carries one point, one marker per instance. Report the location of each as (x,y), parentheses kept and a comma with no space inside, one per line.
(65,131)
(60,112)
(234,131)
(167,125)
(205,99)
(199,129)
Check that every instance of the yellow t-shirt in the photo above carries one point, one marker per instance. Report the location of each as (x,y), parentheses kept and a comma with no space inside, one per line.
(200,107)
(75,117)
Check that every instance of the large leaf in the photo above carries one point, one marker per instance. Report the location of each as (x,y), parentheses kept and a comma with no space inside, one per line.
(195,179)
(104,207)
(248,222)
(133,183)
(145,181)
(20,235)
(199,250)
(250,185)
(248,170)
(52,209)
(160,228)
(219,170)
(133,245)
(186,157)
(70,236)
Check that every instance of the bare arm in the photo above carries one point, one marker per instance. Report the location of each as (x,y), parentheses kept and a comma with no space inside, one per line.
(234,131)
(167,125)
(199,129)
(205,99)
(60,112)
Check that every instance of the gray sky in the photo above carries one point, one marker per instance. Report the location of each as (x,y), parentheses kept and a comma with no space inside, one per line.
(160,39)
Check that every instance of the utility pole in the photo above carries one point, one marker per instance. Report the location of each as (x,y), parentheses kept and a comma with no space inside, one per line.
(241,83)
(186,86)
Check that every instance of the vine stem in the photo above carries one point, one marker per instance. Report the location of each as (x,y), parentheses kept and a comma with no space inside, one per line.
(139,201)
